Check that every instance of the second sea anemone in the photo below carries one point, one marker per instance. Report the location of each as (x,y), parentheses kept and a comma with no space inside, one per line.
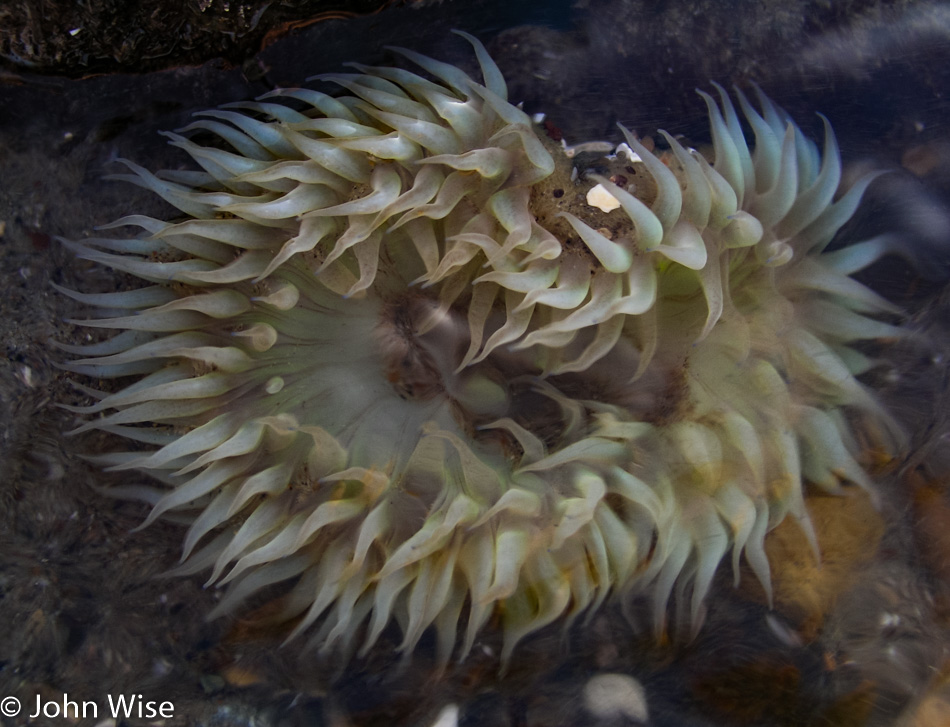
(390,356)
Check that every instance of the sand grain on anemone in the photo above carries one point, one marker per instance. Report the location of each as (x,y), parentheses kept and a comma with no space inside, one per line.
(375,359)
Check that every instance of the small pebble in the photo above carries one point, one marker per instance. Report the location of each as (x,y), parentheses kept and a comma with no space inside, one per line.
(448,717)
(610,696)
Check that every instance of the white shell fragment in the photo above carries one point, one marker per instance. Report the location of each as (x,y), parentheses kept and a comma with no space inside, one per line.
(599,197)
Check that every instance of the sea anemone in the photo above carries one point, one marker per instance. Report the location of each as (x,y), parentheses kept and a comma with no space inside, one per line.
(390,356)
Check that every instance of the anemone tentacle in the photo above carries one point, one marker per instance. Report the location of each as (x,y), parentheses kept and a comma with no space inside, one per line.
(379,363)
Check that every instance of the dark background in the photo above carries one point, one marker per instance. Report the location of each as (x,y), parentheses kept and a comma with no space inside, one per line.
(82,609)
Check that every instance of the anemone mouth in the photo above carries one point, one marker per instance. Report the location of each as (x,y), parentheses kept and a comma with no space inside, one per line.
(383,361)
